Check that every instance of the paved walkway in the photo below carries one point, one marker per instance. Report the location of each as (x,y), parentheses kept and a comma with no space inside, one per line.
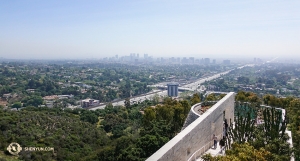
(213,152)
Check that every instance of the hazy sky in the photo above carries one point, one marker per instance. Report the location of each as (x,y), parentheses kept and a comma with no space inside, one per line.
(202,28)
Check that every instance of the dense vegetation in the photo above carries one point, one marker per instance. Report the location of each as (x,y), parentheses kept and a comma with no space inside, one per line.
(244,152)
(42,127)
(292,106)
(133,132)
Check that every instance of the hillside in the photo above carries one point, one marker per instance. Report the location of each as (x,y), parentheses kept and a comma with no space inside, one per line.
(71,138)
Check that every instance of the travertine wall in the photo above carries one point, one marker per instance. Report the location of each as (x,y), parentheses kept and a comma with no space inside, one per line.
(198,133)
(191,117)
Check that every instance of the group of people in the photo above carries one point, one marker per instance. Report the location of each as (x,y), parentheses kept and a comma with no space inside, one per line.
(223,140)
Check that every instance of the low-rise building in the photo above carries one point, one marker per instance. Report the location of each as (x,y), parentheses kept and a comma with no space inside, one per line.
(89,102)
(8,95)
(30,90)
(49,100)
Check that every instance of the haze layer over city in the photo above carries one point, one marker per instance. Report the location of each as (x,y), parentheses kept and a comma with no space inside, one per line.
(97,29)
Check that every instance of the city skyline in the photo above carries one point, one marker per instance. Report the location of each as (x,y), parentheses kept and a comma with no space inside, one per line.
(215,29)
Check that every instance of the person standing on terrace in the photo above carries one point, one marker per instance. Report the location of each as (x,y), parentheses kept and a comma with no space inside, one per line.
(215,141)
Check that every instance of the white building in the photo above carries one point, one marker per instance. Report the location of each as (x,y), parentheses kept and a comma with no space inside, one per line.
(89,102)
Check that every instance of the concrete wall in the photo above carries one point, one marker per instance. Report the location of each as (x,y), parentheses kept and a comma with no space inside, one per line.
(198,133)
(193,114)
(191,117)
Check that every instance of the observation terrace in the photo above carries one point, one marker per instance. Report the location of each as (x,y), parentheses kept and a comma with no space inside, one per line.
(197,133)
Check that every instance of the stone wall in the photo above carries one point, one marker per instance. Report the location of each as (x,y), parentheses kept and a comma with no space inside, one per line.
(193,114)
(191,117)
(198,134)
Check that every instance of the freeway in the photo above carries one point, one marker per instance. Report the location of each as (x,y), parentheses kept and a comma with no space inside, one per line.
(139,98)
(193,86)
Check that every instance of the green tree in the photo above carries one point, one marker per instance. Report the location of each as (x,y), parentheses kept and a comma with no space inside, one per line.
(156,98)
(186,107)
(149,116)
(107,153)
(240,96)
(17,105)
(251,97)
(178,118)
(89,116)
(294,122)
(127,103)
(164,112)
(195,99)
(211,97)
(150,144)
(113,122)
(33,101)
(122,143)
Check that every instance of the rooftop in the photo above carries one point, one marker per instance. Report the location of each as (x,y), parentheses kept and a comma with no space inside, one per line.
(173,83)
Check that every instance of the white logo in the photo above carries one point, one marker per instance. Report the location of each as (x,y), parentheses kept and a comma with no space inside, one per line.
(14,148)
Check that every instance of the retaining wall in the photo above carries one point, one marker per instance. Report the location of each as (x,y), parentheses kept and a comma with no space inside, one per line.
(191,117)
(197,134)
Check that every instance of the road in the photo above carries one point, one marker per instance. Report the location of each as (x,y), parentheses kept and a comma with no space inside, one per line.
(142,98)
(149,96)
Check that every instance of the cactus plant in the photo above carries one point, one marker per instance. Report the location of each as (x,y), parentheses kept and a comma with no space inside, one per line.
(274,126)
(243,127)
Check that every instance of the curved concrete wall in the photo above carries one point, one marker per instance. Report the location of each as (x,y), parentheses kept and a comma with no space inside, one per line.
(198,133)
(192,116)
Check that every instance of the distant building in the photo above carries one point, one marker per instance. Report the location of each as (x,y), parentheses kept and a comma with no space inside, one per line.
(173,89)
(192,60)
(89,102)
(6,96)
(206,61)
(30,90)
(184,60)
(83,85)
(50,98)
(65,96)
(226,62)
